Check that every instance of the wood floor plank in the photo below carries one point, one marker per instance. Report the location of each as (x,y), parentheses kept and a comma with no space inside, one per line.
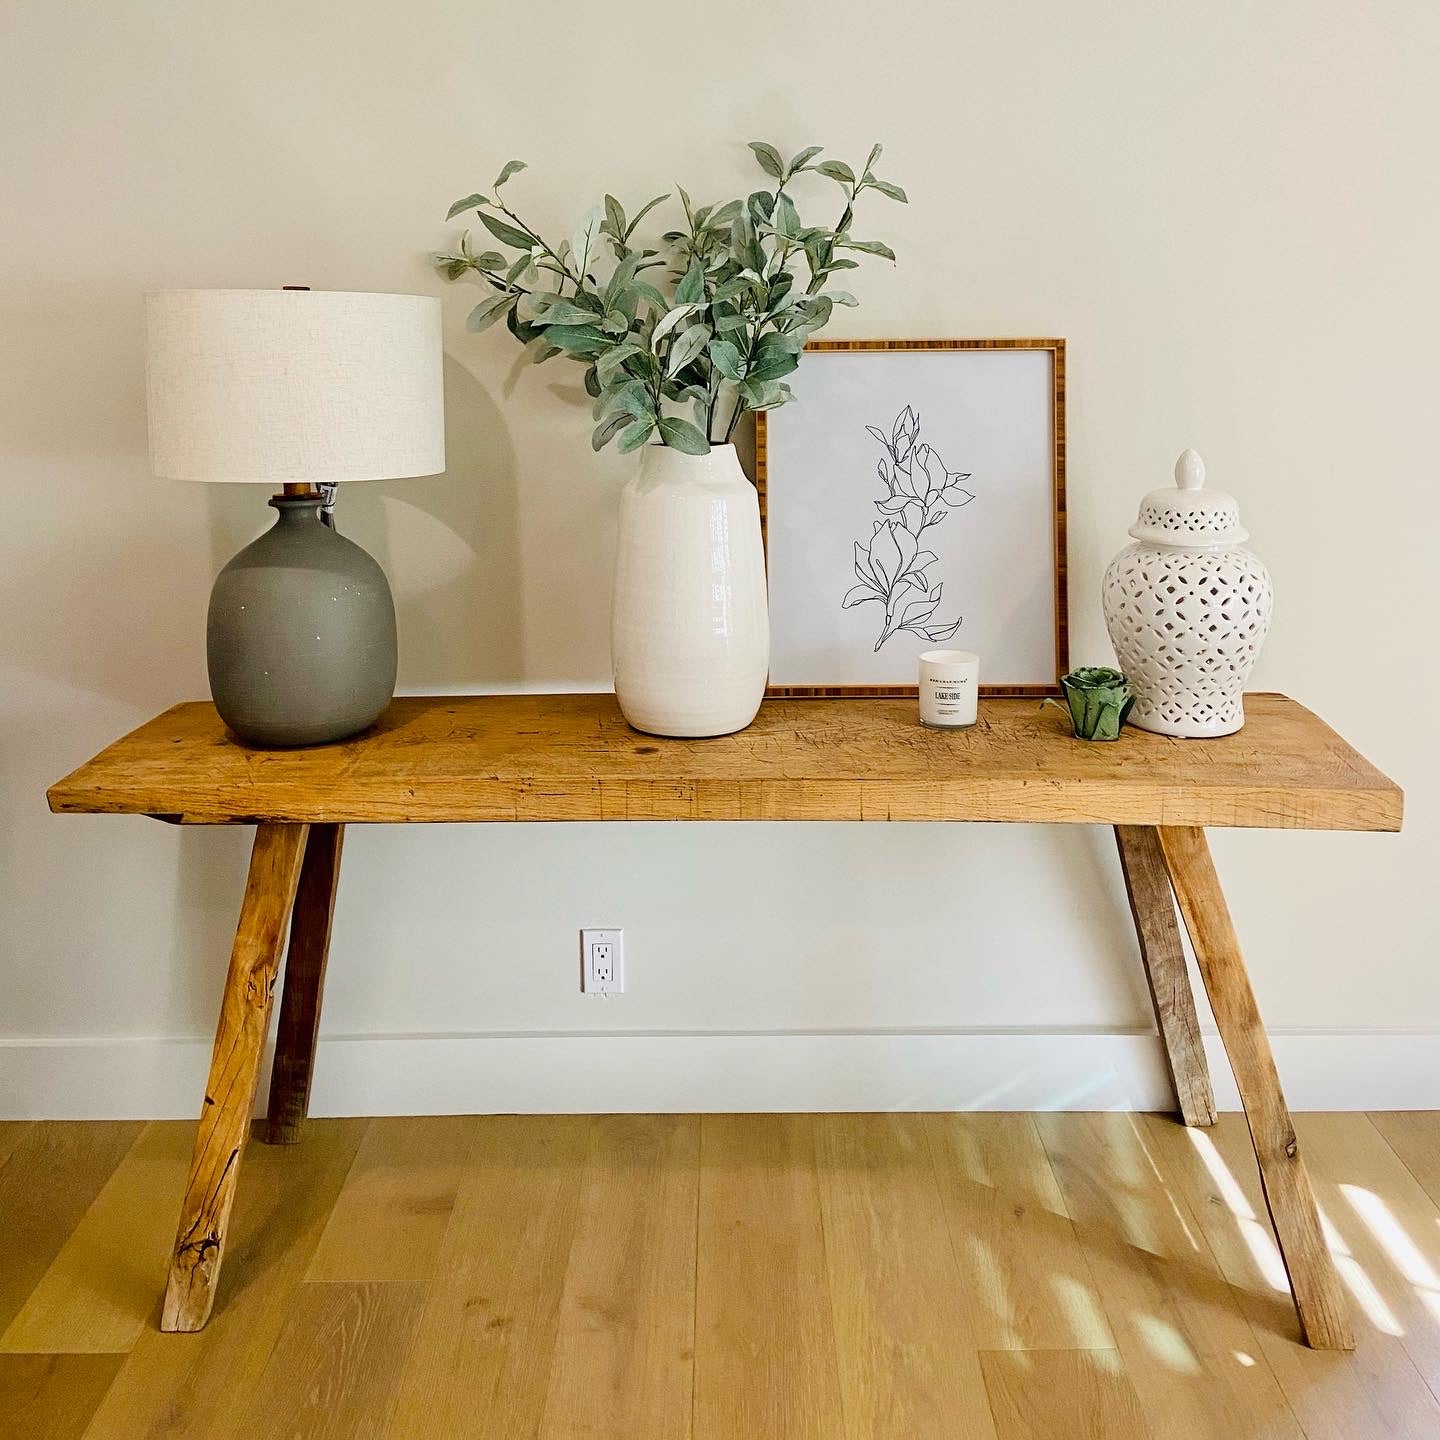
(1414,1135)
(391,1216)
(480,1362)
(1386,1228)
(625,1351)
(1188,1349)
(12,1132)
(1377,1391)
(196,1386)
(1063,1395)
(98,1291)
(904,1350)
(764,1334)
(1024,1280)
(333,1373)
(55,1171)
(52,1397)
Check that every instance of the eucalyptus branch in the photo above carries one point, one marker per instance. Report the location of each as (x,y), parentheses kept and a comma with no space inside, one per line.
(732,313)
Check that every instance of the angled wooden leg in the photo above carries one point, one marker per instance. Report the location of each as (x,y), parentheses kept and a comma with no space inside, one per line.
(304,986)
(234,1071)
(1319,1300)
(1148,886)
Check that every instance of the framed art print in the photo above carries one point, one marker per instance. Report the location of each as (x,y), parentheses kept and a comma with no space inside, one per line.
(913,498)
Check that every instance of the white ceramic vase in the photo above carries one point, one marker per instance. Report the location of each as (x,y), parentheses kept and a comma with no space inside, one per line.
(690,631)
(1188,608)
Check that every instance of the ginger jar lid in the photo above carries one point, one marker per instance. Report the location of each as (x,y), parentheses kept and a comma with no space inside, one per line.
(1187,516)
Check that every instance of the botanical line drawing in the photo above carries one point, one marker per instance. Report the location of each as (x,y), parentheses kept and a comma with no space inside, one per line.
(919,493)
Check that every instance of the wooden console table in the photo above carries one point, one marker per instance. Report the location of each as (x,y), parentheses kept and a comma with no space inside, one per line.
(572,757)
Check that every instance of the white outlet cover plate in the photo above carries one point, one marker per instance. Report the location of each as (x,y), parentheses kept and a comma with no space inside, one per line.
(602,962)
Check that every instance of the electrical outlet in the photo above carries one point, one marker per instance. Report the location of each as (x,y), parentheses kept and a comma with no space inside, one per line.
(602,962)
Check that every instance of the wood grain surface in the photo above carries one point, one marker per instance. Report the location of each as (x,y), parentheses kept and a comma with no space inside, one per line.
(574,1296)
(1152,906)
(304,988)
(1319,1298)
(234,1073)
(573,757)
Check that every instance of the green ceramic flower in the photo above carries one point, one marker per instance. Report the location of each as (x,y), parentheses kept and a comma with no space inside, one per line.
(1099,700)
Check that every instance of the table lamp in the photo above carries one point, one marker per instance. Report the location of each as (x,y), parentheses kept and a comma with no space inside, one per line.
(297,389)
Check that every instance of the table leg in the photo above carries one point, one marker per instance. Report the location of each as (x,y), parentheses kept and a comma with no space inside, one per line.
(234,1071)
(1314,1285)
(1148,885)
(304,986)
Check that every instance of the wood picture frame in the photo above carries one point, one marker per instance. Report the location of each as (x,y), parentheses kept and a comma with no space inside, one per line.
(764,479)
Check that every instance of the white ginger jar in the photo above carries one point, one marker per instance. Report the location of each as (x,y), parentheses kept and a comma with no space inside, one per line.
(1188,608)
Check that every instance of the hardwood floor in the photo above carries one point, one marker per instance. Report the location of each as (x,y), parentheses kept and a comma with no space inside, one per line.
(831,1277)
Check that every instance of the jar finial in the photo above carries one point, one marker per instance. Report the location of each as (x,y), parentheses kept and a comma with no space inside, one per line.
(1190,471)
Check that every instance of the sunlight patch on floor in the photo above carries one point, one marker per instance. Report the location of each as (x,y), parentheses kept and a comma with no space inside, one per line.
(1257,1237)
(1380,1220)
(1360,1285)
(1167,1344)
(1079,1306)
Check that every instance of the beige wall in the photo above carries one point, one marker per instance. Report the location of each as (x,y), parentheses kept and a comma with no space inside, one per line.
(1229,210)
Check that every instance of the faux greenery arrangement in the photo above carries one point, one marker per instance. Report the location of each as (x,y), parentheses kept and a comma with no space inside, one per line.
(746,286)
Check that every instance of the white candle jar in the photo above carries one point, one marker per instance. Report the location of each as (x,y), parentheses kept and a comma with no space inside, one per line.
(949,689)
(1187,608)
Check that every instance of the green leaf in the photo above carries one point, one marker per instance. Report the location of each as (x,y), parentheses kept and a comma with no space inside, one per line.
(582,243)
(893,191)
(540,352)
(836,170)
(454,269)
(490,260)
(636,435)
(787,221)
(592,382)
(691,289)
(761,395)
(876,152)
(668,322)
(803,159)
(725,357)
(614,358)
(488,311)
(772,358)
(652,297)
(643,211)
(615,215)
(729,323)
(682,435)
(583,340)
(606,430)
(506,234)
(470,202)
(686,347)
(512,167)
(616,322)
(840,297)
(769,158)
(620,280)
(631,396)
(870,247)
(563,313)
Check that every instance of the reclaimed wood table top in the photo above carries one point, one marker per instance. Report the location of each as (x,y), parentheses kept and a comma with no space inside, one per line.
(573,757)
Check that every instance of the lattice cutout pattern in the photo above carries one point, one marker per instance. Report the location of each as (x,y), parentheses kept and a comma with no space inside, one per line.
(1187,626)
(1200,520)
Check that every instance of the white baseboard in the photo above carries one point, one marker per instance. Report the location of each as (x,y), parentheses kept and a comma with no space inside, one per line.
(587,1073)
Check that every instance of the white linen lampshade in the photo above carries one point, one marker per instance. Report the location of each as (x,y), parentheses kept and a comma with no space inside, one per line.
(294,386)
